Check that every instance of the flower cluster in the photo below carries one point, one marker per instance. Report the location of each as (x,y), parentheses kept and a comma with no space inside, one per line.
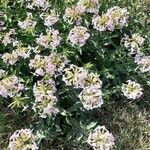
(78,36)
(134,43)
(73,14)
(101,139)
(115,17)
(50,18)
(10,86)
(143,63)
(10,58)
(38,65)
(55,63)
(20,51)
(50,40)
(28,23)
(45,100)
(75,76)
(52,64)
(43,4)
(22,140)
(7,38)
(91,6)
(91,95)
(132,90)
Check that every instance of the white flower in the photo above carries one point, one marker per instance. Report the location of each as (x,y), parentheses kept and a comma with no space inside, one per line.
(75,76)
(43,4)
(7,39)
(2,73)
(55,63)
(23,52)
(50,19)
(119,16)
(38,65)
(91,97)
(43,89)
(90,5)
(138,39)
(93,80)
(51,40)
(22,140)
(20,50)
(132,90)
(46,107)
(114,18)
(143,63)
(101,139)
(101,23)
(9,58)
(134,43)
(78,36)
(46,101)
(28,23)
(73,14)
(10,86)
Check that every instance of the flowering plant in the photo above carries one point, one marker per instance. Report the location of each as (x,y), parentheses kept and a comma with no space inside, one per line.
(62,64)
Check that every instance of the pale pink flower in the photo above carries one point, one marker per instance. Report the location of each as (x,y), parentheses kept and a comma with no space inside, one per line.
(9,58)
(134,43)
(119,16)
(75,76)
(45,100)
(114,18)
(101,23)
(143,63)
(132,90)
(41,4)
(7,39)
(46,107)
(28,23)
(23,52)
(101,139)
(50,18)
(78,36)
(55,63)
(22,140)
(43,89)
(38,65)
(91,97)
(91,6)
(73,14)
(50,40)
(10,86)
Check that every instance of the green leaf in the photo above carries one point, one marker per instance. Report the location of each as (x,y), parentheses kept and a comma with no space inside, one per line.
(91,125)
